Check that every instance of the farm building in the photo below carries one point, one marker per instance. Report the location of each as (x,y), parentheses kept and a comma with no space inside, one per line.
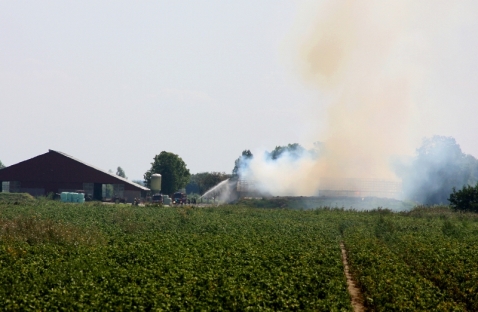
(56,172)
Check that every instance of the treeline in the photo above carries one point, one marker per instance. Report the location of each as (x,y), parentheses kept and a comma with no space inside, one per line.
(429,177)
(176,175)
(199,183)
(293,151)
(439,166)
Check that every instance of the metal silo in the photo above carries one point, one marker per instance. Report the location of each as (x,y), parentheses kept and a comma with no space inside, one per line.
(156,183)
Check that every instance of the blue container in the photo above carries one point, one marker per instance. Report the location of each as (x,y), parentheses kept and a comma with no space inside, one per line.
(81,198)
(64,197)
(68,197)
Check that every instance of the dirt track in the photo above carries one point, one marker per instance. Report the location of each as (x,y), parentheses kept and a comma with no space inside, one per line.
(354,291)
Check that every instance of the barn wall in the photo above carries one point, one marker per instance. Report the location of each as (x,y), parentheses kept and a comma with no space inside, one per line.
(53,172)
(33,191)
(131,195)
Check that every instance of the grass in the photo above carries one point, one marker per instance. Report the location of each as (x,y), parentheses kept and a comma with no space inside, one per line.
(16,198)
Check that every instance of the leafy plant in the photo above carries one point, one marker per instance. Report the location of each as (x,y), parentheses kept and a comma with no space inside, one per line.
(175,174)
(221,258)
(465,199)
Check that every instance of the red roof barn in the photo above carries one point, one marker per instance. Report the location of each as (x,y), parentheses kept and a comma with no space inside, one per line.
(56,172)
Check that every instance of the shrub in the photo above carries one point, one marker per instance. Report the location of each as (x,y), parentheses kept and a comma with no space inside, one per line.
(465,199)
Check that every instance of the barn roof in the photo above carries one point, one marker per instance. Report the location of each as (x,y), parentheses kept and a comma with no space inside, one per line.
(7,171)
(106,172)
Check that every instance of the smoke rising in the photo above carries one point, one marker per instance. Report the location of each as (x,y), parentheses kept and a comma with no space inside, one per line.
(280,175)
(370,60)
(438,166)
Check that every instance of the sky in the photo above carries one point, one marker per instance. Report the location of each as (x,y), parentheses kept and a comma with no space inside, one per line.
(116,83)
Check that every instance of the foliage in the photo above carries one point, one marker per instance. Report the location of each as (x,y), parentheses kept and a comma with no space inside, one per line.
(193,187)
(18,198)
(417,260)
(294,151)
(35,231)
(241,162)
(313,202)
(63,256)
(141,258)
(120,172)
(264,202)
(441,248)
(387,283)
(1,165)
(174,173)
(201,182)
(438,166)
(465,199)
(192,196)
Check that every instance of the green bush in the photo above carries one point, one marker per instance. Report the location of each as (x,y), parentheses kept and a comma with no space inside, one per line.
(465,199)
(18,198)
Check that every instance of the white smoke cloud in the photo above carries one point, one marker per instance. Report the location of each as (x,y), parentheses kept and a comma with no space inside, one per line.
(373,62)
(279,176)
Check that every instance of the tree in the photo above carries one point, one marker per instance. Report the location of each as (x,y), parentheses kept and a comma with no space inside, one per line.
(437,168)
(1,165)
(193,187)
(465,199)
(295,151)
(120,172)
(241,162)
(201,182)
(175,174)
(212,179)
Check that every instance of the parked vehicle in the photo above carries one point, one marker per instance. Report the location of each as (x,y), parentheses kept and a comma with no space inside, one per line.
(179,198)
(157,198)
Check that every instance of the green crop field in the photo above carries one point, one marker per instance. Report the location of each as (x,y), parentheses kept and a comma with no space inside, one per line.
(56,256)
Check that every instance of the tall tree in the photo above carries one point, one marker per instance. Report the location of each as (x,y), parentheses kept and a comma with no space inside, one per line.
(1,165)
(201,182)
(175,174)
(465,199)
(294,150)
(438,167)
(241,162)
(120,172)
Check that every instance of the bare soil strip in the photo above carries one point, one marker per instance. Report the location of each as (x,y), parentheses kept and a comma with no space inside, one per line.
(354,291)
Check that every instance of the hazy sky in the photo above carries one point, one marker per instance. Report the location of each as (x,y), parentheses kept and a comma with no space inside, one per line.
(115,83)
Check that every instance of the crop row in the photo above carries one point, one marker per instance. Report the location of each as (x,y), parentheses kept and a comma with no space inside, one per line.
(387,282)
(442,250)
(57,256)
(168,259)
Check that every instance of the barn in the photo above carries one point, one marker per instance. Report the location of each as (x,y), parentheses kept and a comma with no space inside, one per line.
(56,172)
